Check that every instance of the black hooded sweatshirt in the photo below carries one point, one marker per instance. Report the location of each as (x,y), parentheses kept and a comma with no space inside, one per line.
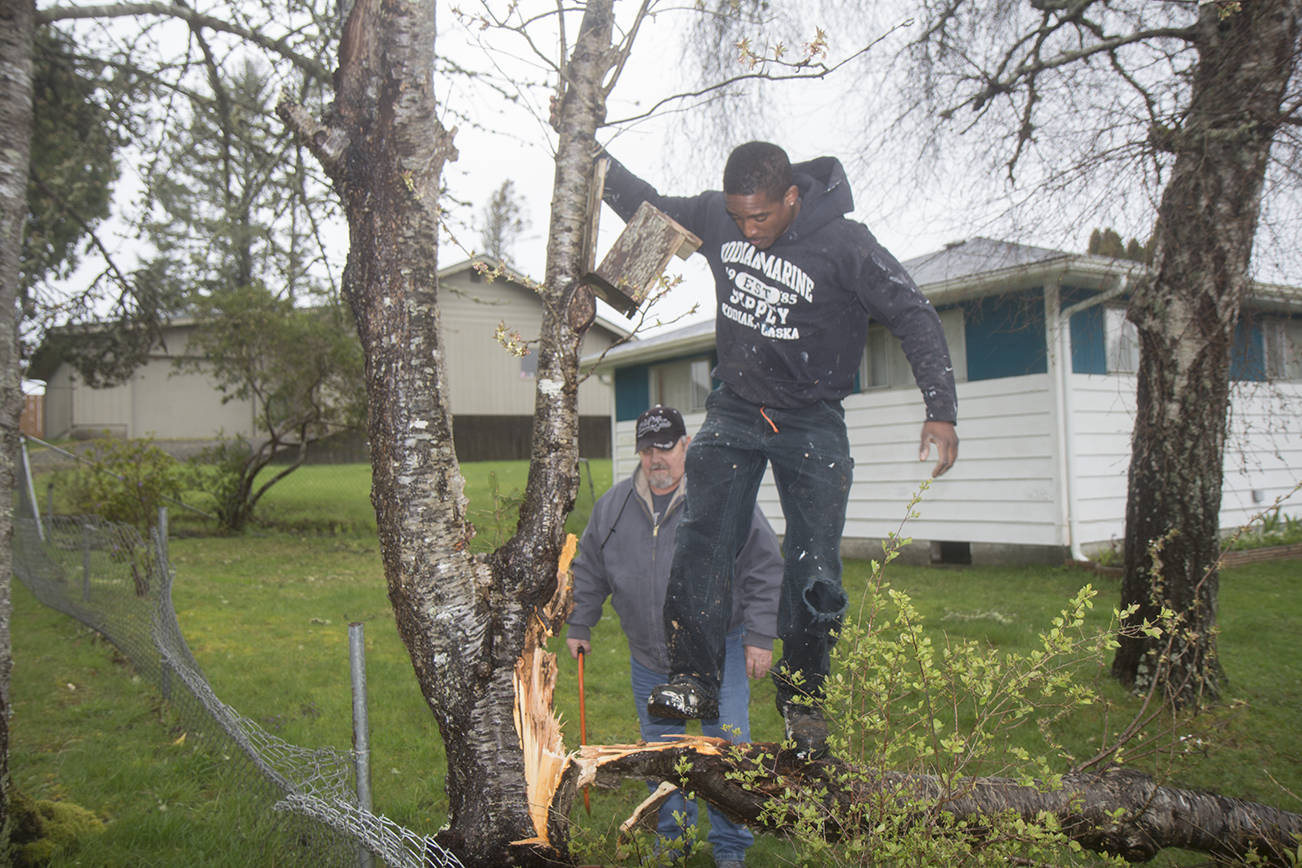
(792,320)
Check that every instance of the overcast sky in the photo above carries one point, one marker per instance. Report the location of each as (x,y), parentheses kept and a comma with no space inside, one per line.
(958,197)
(809,119)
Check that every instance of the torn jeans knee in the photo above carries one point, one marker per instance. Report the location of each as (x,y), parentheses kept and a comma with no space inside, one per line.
(825,602)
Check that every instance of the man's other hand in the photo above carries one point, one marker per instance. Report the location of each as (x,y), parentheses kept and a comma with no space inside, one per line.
(575,644)
(946,440)
(758,661)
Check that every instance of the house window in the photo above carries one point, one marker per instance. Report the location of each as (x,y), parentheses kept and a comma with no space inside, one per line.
(1122,341)
(885,366)
(683,384)
(1283,348)
(529,365)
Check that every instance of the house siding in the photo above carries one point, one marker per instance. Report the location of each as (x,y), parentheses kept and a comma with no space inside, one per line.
(1102,411)
(1263,451)
(1002,491)
(1007,498)
(484,378)
(1005,491)
(492,393)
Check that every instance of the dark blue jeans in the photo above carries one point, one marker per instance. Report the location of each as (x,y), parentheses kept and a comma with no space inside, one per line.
(810,456)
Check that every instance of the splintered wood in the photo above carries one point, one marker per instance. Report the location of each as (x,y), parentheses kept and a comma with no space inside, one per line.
(535,682)
(647,814)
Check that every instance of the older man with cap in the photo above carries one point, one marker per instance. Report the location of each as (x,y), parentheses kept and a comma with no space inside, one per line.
(625,554)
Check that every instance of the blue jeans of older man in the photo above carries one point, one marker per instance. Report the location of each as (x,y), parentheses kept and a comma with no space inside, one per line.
(728,839)
(809,453)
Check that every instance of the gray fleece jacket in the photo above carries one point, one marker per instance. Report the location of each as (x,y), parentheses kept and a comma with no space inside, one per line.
(625,554)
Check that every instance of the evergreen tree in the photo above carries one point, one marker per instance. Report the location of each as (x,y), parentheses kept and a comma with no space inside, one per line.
(503,221)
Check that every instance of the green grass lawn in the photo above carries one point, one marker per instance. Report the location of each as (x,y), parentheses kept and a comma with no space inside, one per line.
(266,615)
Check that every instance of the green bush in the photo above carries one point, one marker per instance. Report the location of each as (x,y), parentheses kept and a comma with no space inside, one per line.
(945,712)
(1275,529)
(220,472)
(126,481)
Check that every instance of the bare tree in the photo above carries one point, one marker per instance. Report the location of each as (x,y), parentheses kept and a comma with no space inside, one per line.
(463,617)
(17,19)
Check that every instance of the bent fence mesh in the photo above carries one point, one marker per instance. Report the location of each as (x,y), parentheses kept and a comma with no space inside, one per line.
(108,577)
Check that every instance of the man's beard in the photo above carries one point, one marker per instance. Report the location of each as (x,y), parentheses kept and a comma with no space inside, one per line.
(661,479)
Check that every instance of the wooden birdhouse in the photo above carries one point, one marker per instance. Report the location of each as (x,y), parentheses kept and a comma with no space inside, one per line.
(636,261)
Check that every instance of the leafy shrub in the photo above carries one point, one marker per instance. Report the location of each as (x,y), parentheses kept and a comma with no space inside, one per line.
(1274,529)
(127,481)
(221,472)
(916,721)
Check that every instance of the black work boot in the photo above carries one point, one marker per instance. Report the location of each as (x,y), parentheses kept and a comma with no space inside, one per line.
(682,699)
(807,728)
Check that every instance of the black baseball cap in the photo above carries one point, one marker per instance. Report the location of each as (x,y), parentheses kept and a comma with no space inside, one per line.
(661,427)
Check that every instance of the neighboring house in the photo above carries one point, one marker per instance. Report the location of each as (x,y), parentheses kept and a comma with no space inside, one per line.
(492,391)
(1045,446)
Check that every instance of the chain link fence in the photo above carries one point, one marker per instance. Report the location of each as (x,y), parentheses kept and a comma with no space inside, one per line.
(115,581)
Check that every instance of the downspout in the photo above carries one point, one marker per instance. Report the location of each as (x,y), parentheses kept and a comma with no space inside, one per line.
(1059,366)
(1067,461)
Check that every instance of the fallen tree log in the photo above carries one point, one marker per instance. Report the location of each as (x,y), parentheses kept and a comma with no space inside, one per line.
(1118,811)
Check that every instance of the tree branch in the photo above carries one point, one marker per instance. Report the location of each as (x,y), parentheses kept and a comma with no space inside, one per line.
(327,142)
(307,65)
(1119,811)
(804,71)
(999,84)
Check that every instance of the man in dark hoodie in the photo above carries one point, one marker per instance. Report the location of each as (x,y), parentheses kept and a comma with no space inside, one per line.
(796,283)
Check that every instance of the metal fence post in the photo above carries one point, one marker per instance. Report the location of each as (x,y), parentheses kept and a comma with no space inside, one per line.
(85,562)
(361,728)
(162,535)
(165,594)
(29,488)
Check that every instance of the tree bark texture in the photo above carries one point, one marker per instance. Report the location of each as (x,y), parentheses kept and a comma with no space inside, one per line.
(1152,817)
(462,617)
(17,20)
(1186,311)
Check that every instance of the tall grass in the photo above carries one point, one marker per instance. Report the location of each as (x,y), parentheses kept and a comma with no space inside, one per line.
(266,616)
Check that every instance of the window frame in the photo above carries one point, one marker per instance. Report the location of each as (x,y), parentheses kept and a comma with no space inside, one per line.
(695,386)
(890,355)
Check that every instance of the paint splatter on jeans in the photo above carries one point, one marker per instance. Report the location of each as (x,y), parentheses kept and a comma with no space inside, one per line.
(810,457)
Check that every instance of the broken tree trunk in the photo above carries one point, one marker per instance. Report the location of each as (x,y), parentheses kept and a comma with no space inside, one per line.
(465,618)
(1151,818)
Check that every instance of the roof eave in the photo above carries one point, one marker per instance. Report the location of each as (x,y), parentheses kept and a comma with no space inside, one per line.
(1087,269)
(635,352)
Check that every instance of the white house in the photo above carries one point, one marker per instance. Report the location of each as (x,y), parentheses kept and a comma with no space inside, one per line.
(1045,364)
(491,390)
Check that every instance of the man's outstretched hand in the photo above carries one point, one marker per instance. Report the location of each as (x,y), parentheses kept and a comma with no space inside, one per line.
(946,440)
